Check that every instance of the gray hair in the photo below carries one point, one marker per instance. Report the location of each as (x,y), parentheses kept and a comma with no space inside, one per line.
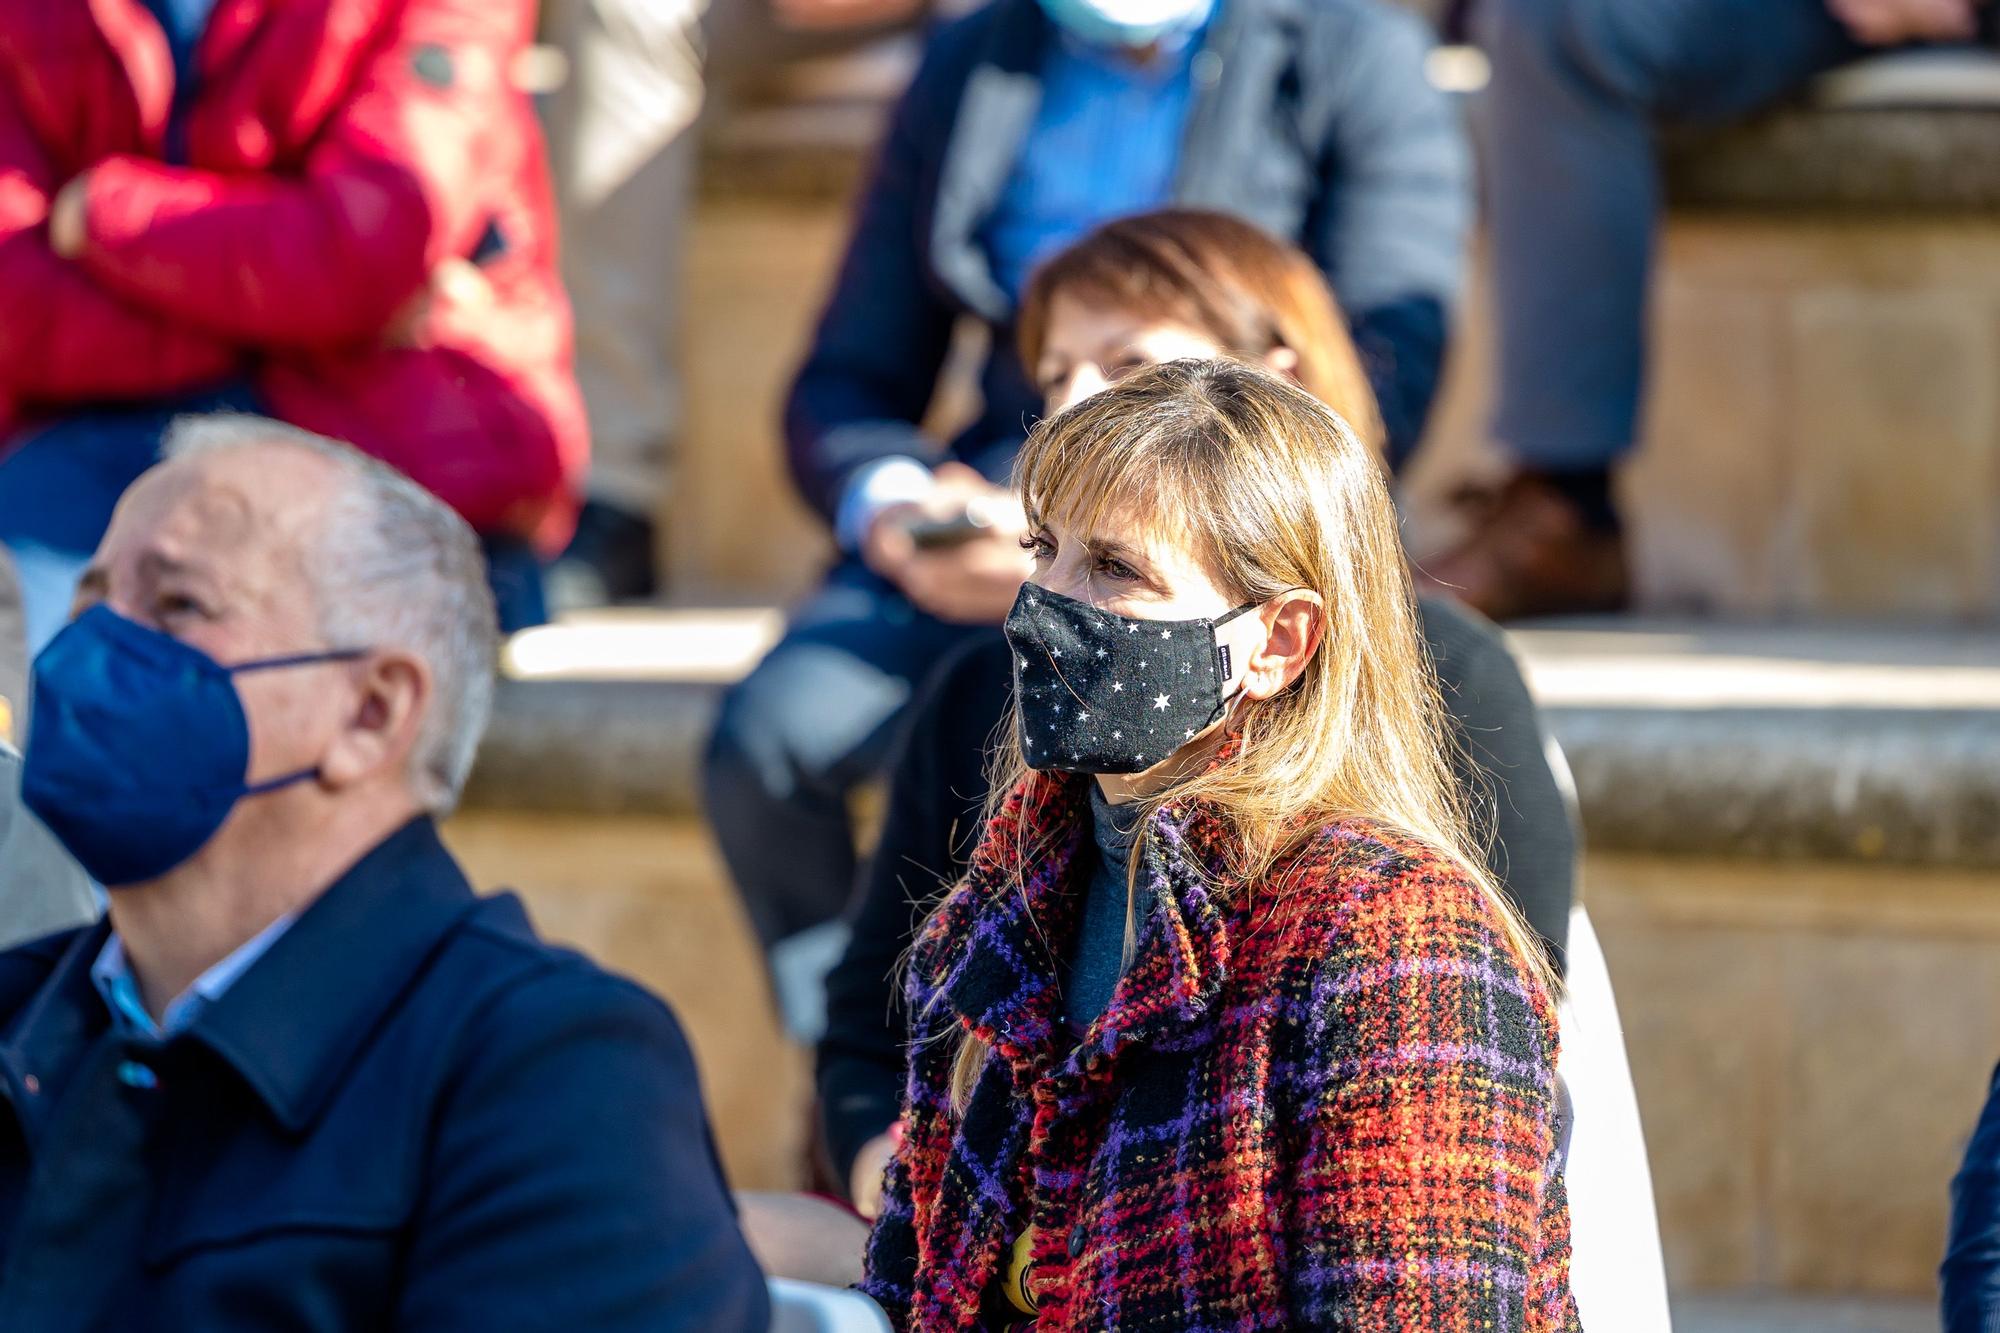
(393,567)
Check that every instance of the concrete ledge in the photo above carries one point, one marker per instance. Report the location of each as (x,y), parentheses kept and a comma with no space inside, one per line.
(599,747)
(1906,786)
(1916,787)
(1739,742)
(1868,162)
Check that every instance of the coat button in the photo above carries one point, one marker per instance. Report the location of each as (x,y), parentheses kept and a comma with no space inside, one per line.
(135,1075)
(1076,1241)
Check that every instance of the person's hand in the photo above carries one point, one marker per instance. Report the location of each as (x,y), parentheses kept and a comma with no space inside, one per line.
(455,283)
(973,582)
(864,1182)
(66,216)
(803,1238)
(1893,22)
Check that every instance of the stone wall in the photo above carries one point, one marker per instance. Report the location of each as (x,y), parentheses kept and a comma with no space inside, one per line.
(1823,432)
(1811,1044)
(1824,429)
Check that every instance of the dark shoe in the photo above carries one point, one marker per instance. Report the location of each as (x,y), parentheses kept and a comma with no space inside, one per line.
(611,559)
(1532,553)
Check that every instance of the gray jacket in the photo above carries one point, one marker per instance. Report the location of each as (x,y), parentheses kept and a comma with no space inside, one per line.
(41,889)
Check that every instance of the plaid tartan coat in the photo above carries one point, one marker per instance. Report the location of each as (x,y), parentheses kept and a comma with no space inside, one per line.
(1326,1106)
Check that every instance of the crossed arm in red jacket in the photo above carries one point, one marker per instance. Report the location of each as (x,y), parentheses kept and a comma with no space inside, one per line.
(177,269)
(65,338)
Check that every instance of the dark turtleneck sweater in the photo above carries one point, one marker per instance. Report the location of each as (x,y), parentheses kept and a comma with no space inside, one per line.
(1097,959)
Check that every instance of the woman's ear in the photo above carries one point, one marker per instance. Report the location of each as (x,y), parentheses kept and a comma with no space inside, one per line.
(1294,622)
(1282,360)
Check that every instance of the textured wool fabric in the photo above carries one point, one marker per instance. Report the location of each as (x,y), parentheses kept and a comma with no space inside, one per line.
(1326,1100)
(1103,693)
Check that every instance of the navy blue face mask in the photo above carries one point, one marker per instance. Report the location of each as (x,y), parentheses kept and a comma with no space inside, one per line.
(138,746)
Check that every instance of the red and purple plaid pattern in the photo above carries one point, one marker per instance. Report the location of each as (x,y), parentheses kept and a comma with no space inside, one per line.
(1324,1100)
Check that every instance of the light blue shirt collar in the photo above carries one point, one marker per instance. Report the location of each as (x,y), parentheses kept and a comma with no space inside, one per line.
(113,977)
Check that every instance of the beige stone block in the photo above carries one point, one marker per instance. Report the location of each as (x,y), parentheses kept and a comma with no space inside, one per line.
(648,898)
(1703,492)
(1700,1031)
(1741,252)
(1810,1045)
(1891,1044)
(758,272)
(1897,433)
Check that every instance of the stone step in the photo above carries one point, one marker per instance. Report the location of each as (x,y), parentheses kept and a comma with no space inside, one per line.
(1783,1314)
(1745,741)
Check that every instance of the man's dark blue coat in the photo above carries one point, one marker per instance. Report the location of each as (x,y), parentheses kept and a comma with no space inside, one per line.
(409,1114)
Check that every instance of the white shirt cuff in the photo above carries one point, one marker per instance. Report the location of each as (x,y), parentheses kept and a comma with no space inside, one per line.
(884,482)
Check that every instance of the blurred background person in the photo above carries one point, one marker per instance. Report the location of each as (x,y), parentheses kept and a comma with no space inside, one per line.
(624,144)
(1579,90)
(41,889)
(335,212)
(1970,1277)
(1026,125)
(300,1075)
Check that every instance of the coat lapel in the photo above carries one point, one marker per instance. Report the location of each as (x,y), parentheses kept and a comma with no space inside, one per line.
(1181,955)
(989,959)
(1251,46)
(994,116)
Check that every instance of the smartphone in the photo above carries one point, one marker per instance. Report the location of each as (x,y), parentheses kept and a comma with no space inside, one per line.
(942,534)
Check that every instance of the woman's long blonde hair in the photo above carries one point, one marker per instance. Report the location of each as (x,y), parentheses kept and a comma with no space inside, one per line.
(1274,492)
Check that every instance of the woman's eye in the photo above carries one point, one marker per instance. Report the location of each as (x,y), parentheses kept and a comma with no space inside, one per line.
(1117,569)
(177,604)
(1120,369)
(1038,546)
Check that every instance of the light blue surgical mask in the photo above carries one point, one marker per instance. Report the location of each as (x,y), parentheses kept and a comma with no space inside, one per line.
(1127,23)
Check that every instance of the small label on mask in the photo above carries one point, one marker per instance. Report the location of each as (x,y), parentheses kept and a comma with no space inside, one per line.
(1222,658)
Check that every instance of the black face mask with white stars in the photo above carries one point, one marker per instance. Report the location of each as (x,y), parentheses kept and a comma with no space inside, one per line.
(1101,693)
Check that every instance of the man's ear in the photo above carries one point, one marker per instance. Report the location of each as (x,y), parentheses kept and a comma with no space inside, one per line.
(393,692)
(1294,623)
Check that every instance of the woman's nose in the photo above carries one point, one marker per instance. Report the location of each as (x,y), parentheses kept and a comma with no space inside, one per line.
(1084,381)
(1065,578)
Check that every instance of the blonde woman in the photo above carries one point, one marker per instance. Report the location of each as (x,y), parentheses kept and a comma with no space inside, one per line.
(1225,1027)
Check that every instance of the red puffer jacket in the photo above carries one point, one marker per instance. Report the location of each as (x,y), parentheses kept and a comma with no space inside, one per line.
(342,157)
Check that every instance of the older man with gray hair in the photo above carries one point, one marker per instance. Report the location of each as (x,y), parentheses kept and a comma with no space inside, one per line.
(300,1075)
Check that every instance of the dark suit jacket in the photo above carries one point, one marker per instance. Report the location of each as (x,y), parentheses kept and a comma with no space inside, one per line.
(410,1113)
(1318,124)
